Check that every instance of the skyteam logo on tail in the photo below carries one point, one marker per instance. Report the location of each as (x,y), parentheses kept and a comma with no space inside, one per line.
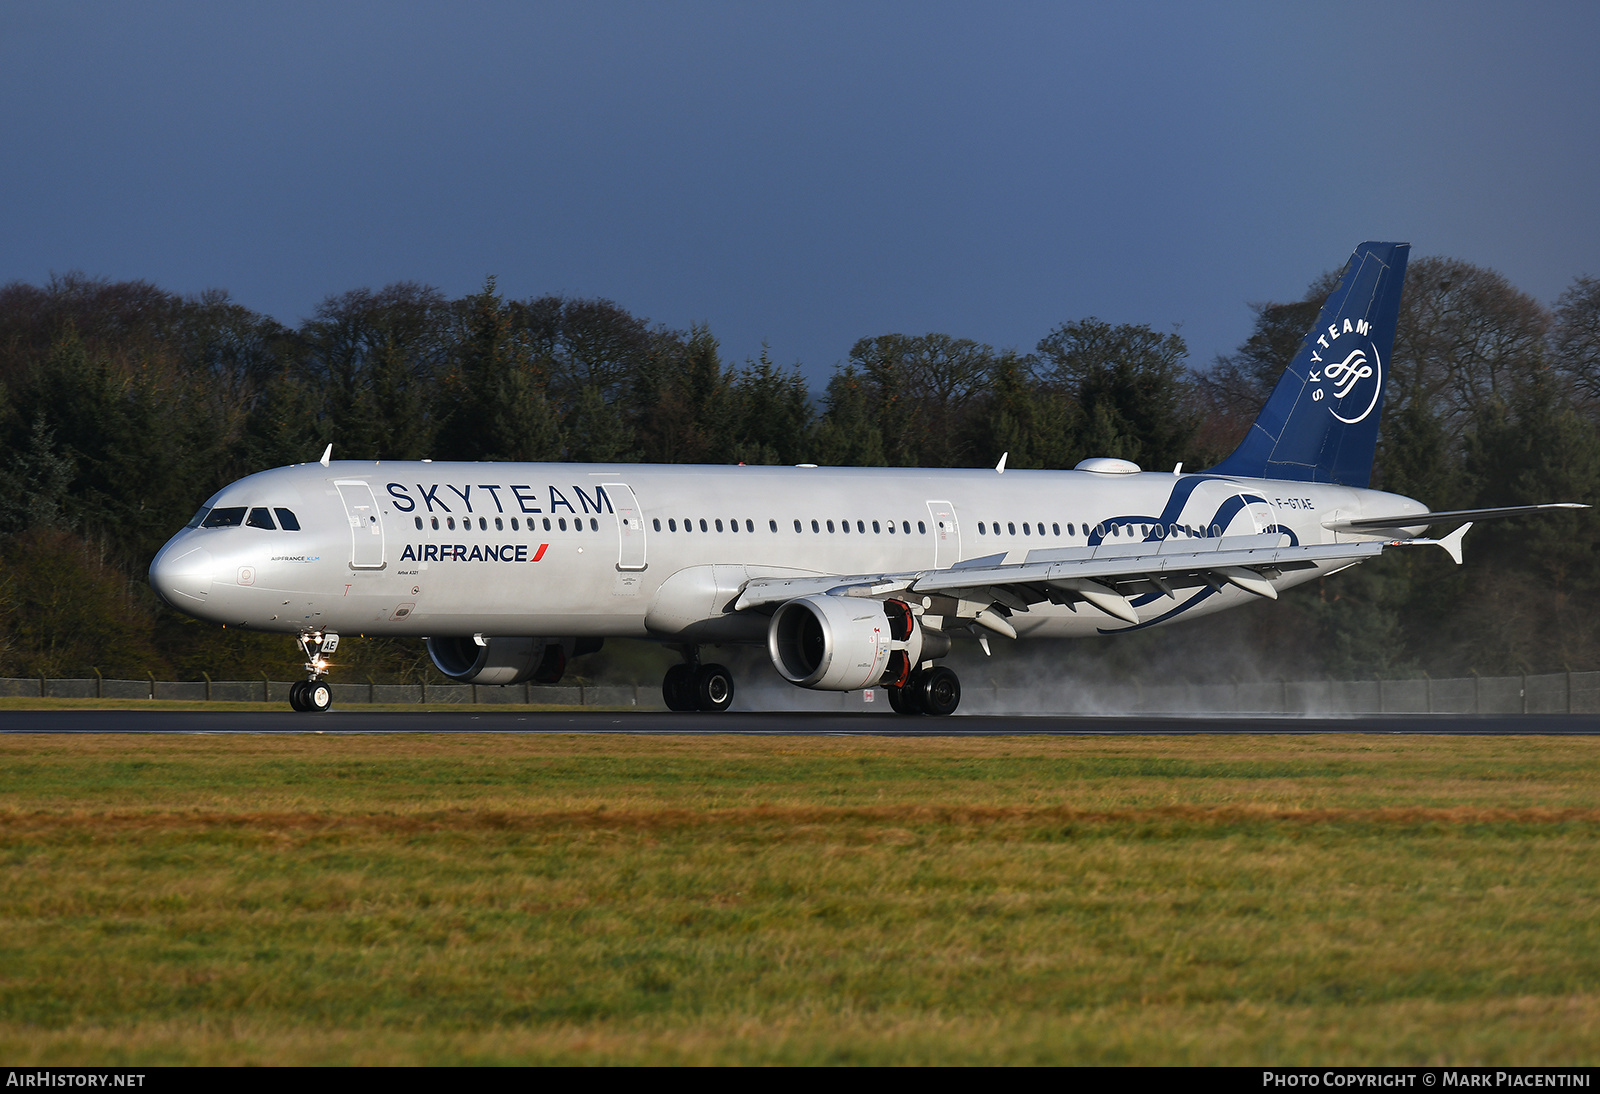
(1350,377)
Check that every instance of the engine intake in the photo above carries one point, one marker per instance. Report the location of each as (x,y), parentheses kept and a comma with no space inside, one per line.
(504,660)
(842,643)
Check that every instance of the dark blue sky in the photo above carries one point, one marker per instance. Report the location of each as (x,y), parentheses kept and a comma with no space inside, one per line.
(804,174)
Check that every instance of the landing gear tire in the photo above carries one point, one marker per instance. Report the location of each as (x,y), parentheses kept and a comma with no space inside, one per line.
(318,696)
(904,700)
(713,687)
(677,688)
(310,695)
(939,692)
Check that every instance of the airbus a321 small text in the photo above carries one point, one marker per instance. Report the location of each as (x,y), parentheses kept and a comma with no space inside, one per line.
(851,577)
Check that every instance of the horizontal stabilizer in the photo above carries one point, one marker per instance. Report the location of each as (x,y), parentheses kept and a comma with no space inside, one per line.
(1419,520)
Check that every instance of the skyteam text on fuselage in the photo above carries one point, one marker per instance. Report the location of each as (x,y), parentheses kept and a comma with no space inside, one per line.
(851,577)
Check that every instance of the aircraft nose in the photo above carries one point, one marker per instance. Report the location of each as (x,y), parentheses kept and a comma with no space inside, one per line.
(182,577)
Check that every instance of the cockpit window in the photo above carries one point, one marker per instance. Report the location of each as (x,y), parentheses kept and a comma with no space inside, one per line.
(260,518)
(230,517)
(200,515)
(287,519)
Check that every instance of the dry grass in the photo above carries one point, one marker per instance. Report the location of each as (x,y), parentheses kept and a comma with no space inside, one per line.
(719,900)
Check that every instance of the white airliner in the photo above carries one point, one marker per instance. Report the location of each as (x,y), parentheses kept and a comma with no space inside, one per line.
(852,577)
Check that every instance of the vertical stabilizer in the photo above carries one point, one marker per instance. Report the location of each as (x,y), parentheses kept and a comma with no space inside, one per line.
(1321,423)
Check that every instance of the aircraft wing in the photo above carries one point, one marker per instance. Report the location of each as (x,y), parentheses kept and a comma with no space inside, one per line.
(1106,575)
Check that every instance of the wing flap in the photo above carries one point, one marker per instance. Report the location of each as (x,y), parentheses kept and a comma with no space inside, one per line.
(1133,567)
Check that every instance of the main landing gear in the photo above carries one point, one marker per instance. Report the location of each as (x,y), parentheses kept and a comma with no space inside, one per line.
(693,686)
(935,691)
(314,694)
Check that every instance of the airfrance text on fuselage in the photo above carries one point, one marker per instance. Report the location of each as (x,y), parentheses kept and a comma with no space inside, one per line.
(477,552)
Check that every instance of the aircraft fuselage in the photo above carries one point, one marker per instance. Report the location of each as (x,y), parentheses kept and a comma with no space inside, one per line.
(500,549)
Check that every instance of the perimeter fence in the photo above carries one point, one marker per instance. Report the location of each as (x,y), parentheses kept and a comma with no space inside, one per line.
(1544,693)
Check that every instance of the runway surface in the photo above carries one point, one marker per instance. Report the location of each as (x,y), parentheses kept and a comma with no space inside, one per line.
(772,724)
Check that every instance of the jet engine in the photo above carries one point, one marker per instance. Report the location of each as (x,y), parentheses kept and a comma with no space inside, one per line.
(472,660)
(842,643)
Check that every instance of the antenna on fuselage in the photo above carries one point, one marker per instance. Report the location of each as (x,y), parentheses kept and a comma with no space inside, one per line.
(1001,466)
(326,453)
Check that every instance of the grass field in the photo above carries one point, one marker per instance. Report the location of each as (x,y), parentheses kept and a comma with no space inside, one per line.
(475,899)
(14,702)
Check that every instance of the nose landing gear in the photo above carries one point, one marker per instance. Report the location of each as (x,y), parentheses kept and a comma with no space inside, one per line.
(314,694)
(308,695)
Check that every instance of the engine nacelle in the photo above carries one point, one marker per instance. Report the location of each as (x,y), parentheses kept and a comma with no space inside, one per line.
(502,660)
(842,643)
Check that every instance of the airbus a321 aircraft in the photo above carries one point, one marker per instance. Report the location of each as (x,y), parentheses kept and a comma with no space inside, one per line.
(852,577)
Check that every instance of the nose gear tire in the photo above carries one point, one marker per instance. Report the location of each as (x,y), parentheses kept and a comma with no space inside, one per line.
(318,696)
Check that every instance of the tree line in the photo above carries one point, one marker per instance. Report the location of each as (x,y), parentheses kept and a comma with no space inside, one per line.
(123,406)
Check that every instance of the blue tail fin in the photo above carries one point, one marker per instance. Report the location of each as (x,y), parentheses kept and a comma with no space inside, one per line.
(1321,423)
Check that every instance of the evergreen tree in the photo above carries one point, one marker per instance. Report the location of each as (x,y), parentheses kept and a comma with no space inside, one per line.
(1131,389)
(772,414)
(493,393)
(848,435)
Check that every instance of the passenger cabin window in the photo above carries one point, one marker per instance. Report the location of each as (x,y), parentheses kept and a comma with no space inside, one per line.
(830,526)
(703,527)
(815,527)
(435,521)
(922,528)
(594,524)
(657,523)
(231,517)
(719,525)
(260,518)
(419,523)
